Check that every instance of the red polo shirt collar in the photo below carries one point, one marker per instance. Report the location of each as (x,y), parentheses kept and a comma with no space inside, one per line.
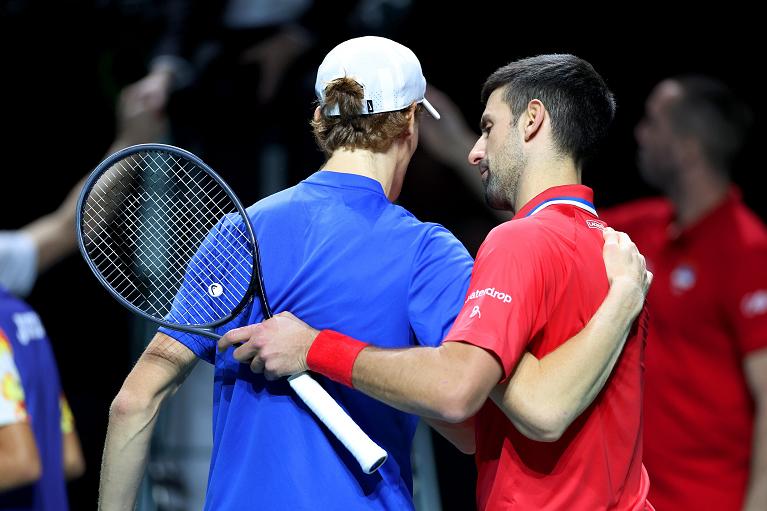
(575,195)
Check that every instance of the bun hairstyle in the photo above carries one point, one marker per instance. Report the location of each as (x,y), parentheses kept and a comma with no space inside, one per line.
(350,129)
(347,94)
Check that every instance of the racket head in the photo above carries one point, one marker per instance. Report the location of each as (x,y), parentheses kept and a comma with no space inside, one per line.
(168,238)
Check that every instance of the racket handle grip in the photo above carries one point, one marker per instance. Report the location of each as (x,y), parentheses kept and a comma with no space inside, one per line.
(368,454)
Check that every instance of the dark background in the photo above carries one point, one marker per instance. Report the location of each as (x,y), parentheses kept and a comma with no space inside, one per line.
(63,64)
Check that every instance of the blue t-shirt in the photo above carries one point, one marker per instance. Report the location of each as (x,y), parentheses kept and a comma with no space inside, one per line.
(23,334)
(339,255)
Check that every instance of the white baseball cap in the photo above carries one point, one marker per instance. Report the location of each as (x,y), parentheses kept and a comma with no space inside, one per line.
(388,72)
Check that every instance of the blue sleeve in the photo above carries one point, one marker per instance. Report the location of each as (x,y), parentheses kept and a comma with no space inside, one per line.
(216,280)
(439,280)
(205,347)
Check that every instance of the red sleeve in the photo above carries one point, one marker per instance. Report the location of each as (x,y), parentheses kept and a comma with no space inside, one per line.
(506,304)
(746,299)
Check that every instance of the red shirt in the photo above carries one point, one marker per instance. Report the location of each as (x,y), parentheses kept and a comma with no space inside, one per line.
(537,281)
(708,306)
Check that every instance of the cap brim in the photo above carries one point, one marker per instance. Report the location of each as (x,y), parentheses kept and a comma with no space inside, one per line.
(430,109)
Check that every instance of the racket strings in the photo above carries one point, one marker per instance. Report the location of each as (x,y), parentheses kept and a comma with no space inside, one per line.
(168,238)
(137,227)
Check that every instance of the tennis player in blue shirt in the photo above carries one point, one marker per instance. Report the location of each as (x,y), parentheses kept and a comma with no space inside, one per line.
(337,252)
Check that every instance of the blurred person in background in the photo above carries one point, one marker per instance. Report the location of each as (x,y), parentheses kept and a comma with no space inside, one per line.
(39,446)
(706,391)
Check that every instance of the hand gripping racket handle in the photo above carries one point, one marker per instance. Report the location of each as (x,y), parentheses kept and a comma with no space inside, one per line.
(368,454)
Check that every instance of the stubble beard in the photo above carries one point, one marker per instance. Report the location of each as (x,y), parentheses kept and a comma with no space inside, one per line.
(503,176)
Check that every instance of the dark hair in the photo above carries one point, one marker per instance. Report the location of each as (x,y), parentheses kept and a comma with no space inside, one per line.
(350,129)
(579,103)
(709,111)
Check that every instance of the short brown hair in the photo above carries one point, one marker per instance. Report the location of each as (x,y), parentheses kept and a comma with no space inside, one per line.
(578,100)
(350,129)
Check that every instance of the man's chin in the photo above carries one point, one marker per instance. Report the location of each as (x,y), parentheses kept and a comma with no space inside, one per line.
(655,178)
(497,203)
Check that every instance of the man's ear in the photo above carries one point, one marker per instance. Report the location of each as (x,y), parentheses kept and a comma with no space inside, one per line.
(533,118)
(411,120)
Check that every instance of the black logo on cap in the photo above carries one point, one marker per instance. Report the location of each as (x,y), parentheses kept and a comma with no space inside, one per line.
(370,106)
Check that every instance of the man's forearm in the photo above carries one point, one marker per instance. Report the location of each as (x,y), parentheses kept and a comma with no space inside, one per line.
(756,497)
(157,375)
(125,453)
(460,434)
(53,236)
(544,396)
(19,458)
(74,462)
(448,383)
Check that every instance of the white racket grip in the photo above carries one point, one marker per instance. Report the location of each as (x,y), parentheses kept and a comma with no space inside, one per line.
(369,455)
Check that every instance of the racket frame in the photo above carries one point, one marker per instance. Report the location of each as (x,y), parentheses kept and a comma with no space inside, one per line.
(256,284)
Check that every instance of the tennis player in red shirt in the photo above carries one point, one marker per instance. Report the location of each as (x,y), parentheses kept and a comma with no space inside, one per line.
(537,281)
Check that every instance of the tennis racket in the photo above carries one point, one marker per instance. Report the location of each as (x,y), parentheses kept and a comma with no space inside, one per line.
(167,237)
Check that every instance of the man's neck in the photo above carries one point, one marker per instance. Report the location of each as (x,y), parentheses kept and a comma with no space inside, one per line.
(539,178)
(697,196)
(378,166)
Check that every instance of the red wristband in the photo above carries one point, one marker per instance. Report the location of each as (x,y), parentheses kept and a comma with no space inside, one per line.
(332,354)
